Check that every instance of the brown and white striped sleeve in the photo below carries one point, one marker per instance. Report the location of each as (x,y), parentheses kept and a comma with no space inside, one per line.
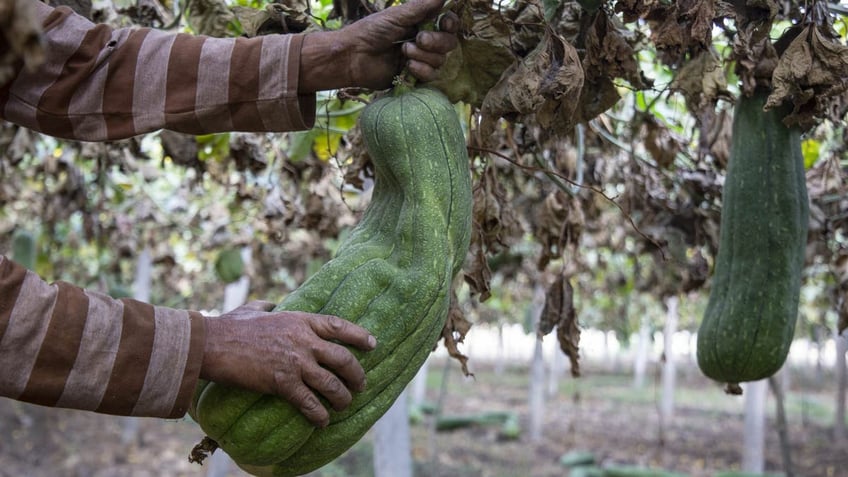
(100,83)
(63,346)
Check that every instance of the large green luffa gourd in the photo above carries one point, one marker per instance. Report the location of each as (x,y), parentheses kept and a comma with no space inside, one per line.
(392,275)
(750,318)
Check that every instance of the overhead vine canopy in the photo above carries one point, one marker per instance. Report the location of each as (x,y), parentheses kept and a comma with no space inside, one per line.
(592,125)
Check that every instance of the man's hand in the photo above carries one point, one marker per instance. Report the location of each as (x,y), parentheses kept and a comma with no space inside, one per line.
(371,52)
(290,354)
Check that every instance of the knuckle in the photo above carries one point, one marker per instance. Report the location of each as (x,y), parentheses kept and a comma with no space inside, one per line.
(331,385)
(347,359)
(334,323)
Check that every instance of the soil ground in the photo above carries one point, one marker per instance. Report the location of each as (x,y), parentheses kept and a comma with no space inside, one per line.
(601,413)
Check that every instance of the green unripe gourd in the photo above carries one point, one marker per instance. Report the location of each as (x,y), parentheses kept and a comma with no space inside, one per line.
(392,275)
(750,318)
(229,266)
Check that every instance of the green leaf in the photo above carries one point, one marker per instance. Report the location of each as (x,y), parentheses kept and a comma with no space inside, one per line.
(811,149)
(300,144)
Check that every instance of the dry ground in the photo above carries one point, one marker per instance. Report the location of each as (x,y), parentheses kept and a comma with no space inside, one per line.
(600,413)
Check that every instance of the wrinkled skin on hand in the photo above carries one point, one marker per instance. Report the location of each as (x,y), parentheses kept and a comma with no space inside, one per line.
(291,354)
(372,51)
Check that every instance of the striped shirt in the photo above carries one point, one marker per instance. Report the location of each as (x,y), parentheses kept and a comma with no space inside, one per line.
(67,347)
(100,83)
(64,346)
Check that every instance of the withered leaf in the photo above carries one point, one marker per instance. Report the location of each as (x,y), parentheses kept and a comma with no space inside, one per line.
(559,313)
(715,134)
(209,17)
(696,273)
(494,228)
(701,80)
(454,331)
(251,19)
(359,168)
(247,153)
(700,18)
(472,69)
(559,223)
(608,54)
(660,143)
(545,81)
(813,69)
(633,10)
(493,214)
(21,29)
(182,148)
(559,302)
(477,273)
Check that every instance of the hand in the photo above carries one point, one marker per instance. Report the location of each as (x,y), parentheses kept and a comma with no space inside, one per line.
(290,354)
(371,52)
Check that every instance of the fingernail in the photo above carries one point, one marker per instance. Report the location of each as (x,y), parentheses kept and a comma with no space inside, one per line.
(372,341)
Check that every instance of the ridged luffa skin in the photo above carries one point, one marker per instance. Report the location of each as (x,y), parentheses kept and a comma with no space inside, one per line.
(392,275)
(750,318)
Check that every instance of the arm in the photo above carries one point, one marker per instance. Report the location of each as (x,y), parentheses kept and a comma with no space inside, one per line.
(101,83)
(64,346)
(67,347)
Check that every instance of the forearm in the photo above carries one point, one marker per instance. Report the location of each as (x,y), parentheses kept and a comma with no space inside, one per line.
(102,83)
(67,347)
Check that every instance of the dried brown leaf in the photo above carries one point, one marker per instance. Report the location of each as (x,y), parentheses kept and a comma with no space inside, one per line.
(753,52)
(209,17)
(477,273)
(609,54)
(182,148)
(633,10)
(495,228)
(493,214)
(812,70)
(559,312)
(559,223)
(247,152)
(472,69)
(21,32)
(453,333)
(700,16)
(696,273)
(715,135)
(359,168)
(660,143)
(701,80)
(559,303)
(545,82)
(251,19)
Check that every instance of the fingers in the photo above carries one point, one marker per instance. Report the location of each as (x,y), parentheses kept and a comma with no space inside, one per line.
(334,328)
(302,397)
(428,53)
(448,22)
(328,385)
(332,372)
(439,43)
(422,71)
(342,363)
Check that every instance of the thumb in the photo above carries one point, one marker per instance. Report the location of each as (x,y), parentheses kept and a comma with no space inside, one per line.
(414,12)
